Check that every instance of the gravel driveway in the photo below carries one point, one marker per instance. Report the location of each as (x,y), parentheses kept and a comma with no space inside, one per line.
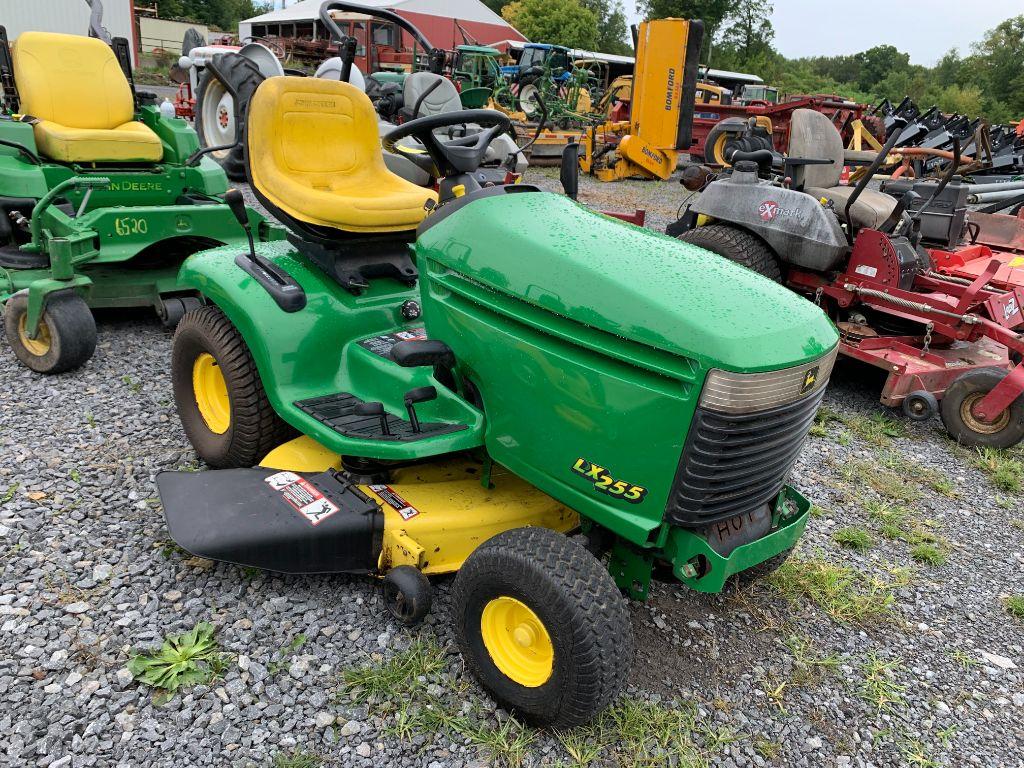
(887,640)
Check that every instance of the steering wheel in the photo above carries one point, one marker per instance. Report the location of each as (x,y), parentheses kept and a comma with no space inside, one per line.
(453,156)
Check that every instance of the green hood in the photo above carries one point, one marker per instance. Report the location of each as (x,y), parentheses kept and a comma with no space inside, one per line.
(558,255)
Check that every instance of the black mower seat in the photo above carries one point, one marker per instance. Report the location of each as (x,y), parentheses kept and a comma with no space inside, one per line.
(314,154)
(76,89)
(812,135)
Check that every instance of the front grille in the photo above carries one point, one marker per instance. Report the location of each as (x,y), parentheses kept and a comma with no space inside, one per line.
(735,462)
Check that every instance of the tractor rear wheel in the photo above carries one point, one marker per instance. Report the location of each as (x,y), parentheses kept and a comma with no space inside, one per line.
(220,397)
(737,245)
(66,338)
(956,409)
(542,626)
(216,111)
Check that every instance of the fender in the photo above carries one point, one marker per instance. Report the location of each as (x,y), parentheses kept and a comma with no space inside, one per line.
(302,355)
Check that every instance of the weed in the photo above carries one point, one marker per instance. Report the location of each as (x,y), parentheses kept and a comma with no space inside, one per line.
(916,753)
(879,686)
(929,554)
(505,745)
(90,420)
(807,663)
(946,734)
(297,759)
(964,659)
(134,386)
(846,595)
(169,549)
(405,672)
(190,658)
(1017,523)
(75,475)
(854,537)
(769,750)
(1006,473)
(1015,606)
(285,652)
(9,493)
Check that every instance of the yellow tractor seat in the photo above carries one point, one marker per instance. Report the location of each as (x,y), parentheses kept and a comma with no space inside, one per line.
(75,87)
(314,154)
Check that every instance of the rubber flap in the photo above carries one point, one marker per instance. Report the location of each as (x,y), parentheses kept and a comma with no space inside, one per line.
(277,521)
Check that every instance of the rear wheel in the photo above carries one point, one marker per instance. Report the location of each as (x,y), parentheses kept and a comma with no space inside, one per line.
(964,426)
(216,110)
(542,626)
(223,407)
(740,246)
(66,337)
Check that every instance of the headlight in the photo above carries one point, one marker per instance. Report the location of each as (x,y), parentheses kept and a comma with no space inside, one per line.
(728,392)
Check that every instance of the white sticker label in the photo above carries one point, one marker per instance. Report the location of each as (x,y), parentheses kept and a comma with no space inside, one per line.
(392,499)
(281,480)
(864,269)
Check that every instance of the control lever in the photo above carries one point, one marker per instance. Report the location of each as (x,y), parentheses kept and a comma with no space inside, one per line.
(418,395)
(281,286)
(375,409)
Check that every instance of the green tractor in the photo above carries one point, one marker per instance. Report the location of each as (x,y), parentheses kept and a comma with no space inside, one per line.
(489,381)
(101,197)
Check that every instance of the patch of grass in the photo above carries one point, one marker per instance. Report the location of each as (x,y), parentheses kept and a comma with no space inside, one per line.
(1017,523)
(965,659)
(915,752)
(854,537)
(285,653)
(169,549)
(133,385)
(767,749)
(879,686)
(1005,472)
(297,759)
(822,419)
(404,672)
(191,658)
(808,663)
(877,428)
(1015,606)
(929,554)
(505,745)
(90,420)
(633,732)
(848,596)
(944,486)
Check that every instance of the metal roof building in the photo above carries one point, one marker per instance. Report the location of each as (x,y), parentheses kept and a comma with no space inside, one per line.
(439,20)
(68,16)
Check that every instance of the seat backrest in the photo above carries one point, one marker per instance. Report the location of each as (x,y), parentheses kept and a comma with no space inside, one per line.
(71,80)
(310,133)
(442,99)
(813,136)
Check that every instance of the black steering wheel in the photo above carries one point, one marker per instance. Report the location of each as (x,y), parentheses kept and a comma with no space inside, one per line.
(453,156)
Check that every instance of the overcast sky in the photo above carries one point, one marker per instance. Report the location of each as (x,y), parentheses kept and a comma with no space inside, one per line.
(925,29)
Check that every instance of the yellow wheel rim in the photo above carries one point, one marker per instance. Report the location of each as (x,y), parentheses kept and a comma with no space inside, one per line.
(976,424)
(211,392)
(719,149)
(517,641)
(38,346)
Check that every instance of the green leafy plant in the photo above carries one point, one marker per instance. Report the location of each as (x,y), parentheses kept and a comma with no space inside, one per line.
(854,537)
(191,658)
(1015,606)
(929,554)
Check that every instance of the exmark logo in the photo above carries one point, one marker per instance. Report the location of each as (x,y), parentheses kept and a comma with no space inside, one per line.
(768,210)
(670,89)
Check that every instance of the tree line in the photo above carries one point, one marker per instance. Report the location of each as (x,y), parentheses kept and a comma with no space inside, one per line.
(223,14)
(987,80)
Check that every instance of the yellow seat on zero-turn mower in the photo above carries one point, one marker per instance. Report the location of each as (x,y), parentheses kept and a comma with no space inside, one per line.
(75,87)
(315,154)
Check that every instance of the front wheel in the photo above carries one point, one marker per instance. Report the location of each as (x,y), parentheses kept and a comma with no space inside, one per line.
(737,245)
(220,397)
(542,626)
(957,411)
(66,338)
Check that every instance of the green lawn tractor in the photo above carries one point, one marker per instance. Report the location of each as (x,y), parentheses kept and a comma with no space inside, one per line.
(422,383)
(101,198)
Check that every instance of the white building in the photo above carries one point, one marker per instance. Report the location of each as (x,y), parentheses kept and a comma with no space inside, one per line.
(67,16)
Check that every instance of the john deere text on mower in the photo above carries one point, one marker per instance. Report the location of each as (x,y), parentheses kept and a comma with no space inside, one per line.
(101,197)
(472,374)
(911,286)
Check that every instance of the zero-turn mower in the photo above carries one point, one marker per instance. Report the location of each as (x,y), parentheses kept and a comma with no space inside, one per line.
(420,383)
(101,198)
(919,286)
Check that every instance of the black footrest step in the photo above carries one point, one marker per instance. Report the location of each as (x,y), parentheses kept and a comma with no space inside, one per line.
(338,412)
(12,257)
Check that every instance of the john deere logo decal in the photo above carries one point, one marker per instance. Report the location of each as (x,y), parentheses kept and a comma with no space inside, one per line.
(810,379)
(768,210)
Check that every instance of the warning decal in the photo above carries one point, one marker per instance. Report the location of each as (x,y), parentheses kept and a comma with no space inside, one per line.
(302,496)
(381,345)
(388,495)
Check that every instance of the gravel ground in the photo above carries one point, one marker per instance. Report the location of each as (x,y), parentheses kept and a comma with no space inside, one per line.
(765,676)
